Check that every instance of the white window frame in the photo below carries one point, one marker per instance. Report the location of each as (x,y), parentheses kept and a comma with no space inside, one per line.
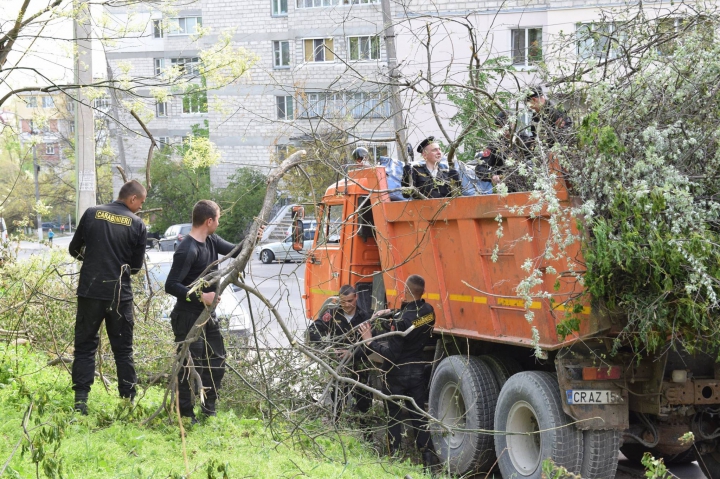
(278,54)
(285,107)
(589,50)
(49,149)
(366,105)
(526,63)
(32,101)
(316,49)
(163,140)
(331,3)
(48,102)
(373,54)
(102,102)
(277,8)
(161,109)
(282,151)
(193,109)
(180,26)
(159,64)
(187,65)
(157,29)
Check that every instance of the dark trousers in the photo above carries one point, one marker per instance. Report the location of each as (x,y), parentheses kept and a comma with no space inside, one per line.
(119,324)
(208,355)
(363,399)
(414,386)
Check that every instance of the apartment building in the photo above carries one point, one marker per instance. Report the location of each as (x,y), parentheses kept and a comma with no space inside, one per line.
(321,67)
(47,119)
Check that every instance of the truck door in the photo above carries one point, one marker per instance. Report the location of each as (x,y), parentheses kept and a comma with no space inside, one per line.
(325,261)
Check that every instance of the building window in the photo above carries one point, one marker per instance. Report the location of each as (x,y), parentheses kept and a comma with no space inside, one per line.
(184,25)
(157,28)
(159,66)
(31,101)
(281,54)
(376,150)
(364,48)
(195,102)
(49,149)
(282,151)
(319,50)
(70,104)
(279,7)
(186,65)
(368,105)
(161,109)
(162,140)
(335,105)
(328,3)
(284,107)
(47,102)
(102,102)
(597,40)
(526,46)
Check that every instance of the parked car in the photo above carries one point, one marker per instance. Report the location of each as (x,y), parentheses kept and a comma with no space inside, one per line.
(233,317)
(307,225)
(283,250)
(47,226)
(173,236)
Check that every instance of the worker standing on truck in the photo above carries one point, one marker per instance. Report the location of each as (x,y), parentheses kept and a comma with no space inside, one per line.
(555,124)
(334,329)
(361,156)
(404,364)
(430,179)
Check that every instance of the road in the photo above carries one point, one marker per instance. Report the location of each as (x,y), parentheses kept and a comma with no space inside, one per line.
(282,285)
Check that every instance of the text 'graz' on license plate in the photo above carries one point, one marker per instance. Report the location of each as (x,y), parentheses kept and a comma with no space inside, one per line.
(589,396)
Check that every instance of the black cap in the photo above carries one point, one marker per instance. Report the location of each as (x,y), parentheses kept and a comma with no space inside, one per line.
(534,92)
(501,119)
(424,143)
(360,153)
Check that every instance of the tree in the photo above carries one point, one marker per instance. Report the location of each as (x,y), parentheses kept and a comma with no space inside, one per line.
(240,202)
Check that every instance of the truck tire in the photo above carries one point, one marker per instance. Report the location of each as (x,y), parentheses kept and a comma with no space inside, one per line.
(600,454)
(710,464)
(634,452)
(502,367)
(463,394)
(267,256)
(530,402)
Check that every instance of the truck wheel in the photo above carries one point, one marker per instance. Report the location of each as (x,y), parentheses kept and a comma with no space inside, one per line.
(463,395)
(600,454)
(634,453)
(710,464)
(530,406)
(502,367)
(267,256)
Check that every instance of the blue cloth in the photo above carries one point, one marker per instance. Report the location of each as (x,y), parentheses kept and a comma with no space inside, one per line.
(485,187)
(394,174)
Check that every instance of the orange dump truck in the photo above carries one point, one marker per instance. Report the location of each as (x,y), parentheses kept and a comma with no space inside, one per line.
(576,403)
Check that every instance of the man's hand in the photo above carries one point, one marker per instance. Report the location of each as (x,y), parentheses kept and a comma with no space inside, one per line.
(208,298)
(495,179)
(382,312)
(261,230)
(343,353)
(366,330)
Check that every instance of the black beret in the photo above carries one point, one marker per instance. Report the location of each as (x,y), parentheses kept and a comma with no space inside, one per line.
(424,143)
(535,91)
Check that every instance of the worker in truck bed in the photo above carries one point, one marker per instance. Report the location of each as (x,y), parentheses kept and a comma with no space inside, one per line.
(429,179)
(334,329)
(404,364)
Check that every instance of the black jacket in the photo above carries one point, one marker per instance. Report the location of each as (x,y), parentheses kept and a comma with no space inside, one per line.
(556,125)
(445,184)
(189,261)
(490,161)
(110,241)
(403,355)
(337,327)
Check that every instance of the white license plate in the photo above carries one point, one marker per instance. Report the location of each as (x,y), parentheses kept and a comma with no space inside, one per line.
(593,396)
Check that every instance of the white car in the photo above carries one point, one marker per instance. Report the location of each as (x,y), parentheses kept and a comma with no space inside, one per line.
(233,317)
(283,250)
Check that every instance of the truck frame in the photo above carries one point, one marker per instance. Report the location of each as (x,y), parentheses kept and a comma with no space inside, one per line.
(578,403)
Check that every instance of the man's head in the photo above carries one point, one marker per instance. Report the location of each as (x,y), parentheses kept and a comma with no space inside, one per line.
(348,299)
(206,214)
(430,151)
(535,99)
(133,194)
(359,155)
(414,287)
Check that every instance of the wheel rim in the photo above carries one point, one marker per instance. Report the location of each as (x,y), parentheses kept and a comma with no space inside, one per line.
(453,413)
(265,256)
(523,449)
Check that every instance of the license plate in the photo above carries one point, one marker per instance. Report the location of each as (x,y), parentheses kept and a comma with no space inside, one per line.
(593,396)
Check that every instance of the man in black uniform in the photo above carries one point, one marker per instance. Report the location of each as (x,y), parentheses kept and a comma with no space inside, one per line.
(555,124)
(429,179)
(334,328)
(196,252)
(110,241)
(404,364)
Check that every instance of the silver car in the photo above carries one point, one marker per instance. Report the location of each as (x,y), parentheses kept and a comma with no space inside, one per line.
(283,250)
(232,315)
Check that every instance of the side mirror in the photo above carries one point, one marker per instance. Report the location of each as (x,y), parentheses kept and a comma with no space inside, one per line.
(298,234)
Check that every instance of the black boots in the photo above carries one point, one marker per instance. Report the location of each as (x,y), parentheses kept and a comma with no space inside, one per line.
(208,409)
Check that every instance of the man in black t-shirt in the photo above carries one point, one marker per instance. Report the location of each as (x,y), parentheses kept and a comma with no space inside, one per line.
(110,241)
(194,254)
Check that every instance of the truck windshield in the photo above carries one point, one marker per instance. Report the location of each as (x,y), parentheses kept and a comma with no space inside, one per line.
(331,224)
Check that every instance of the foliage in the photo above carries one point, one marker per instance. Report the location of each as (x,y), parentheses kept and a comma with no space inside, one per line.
(240,202)
(655,468)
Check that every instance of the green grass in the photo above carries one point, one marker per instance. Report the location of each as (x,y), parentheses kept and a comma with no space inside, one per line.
(112,442)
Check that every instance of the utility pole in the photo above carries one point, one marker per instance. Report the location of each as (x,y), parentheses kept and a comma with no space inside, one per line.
(395,104)
(36,173)
(84,119)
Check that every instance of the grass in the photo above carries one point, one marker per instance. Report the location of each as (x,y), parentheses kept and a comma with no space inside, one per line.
(112,442)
